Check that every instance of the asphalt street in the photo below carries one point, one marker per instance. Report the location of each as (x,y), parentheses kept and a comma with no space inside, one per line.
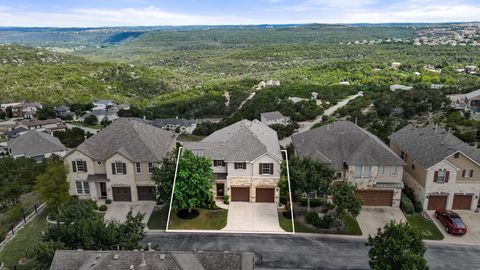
(307,251)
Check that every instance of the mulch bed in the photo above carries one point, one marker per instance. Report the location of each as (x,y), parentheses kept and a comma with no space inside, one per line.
(184,214)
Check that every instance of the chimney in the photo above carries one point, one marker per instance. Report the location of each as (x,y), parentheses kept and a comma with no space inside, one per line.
(149,247)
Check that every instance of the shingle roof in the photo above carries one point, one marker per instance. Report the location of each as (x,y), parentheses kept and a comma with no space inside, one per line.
(430,145)
(173,121)
(35,122)
(243,141)
(14,132)
(341,142)
(158,260)
(35,143)
(131,138)
(473,94)
(269,116)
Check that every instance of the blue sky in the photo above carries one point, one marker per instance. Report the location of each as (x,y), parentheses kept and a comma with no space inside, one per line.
(84,13)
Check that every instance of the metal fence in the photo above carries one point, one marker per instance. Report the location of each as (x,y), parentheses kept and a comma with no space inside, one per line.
(26,215)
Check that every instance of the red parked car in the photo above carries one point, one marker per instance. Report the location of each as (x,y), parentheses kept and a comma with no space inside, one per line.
(452,221)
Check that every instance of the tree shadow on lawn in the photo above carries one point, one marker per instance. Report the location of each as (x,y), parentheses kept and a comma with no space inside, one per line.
(207,219)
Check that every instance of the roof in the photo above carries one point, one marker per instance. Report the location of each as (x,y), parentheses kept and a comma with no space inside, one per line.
(131,138)
(343,141)
(36,122)
(14,132)
(243,141)
(473,94)
(28,104)
(430,145)
(270,116)
(62,109)
(103,101)
(35,143)
(173,121)
(149,260)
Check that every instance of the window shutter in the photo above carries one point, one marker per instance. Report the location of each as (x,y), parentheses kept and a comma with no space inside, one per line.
(471,173)
(85,166)
(74,166)
(435,176)
(113,169)
(235,165)
(260,165)
(447,174)
(124,168)
(463,173)
(271,168)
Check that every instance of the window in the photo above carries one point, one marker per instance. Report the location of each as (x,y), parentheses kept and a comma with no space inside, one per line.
(381,170)
(218,163)
(86,188)
(394,171)
(366,171)
(79,187)
(358,171)
(440,176)
(79,166)
(266,168)
(82,187)
(467,173)
(138,167)
(150,167)
(119,168)
(240,165)
(413,165)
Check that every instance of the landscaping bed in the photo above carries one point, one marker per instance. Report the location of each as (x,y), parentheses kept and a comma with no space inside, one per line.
(215,219)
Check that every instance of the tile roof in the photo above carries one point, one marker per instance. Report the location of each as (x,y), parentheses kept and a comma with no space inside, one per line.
(243,141)
(131,138)
(343,141)
(430,145)
(35,143)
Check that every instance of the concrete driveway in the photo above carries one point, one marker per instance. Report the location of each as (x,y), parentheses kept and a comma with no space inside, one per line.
(471,220)
(252,217)
(373,217)
(118,210)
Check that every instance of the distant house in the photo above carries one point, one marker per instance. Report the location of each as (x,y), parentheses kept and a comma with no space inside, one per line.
(468,102)
(396,87)
(26,110)
(48,125)
(184,125)
(102,104)
(100,115)
(36,145)
(272,118)
(15,132)
(4,106)
(395,65)
(296,99)
(64,111)
(268,83)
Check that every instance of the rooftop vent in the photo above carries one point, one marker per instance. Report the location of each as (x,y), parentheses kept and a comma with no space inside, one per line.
(162,257)
(132,267)
(115,257)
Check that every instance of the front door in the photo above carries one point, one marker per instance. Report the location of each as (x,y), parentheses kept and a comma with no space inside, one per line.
(103,190)
(220,190)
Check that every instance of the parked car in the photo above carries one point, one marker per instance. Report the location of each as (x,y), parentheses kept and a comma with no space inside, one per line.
(452,221)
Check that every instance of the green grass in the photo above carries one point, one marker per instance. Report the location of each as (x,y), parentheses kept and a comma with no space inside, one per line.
(285,223)
(24,240)
(189,138)
(158,219)
(427,228)
(352,225)
(207,220)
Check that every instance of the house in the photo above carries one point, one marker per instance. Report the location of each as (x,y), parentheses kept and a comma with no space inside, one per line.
(4,106)
(246,161)
(183,125)
(102,104)
(36,145)
(467,102)
(48,125)
(64,112)
(273,118)
(171,260)
(26,110)
(117,162)
(269,83)
(101,115)
(13,133)
(396,87)
(358,157)
(443,171)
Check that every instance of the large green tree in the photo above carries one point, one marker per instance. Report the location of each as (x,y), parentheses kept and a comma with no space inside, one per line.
(163,177)
(398,246)
(345,199)
(194,183)
(52,184)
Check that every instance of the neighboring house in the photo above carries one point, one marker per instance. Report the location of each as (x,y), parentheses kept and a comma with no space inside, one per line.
(396,87)
(171,260)
(117,162)
(246,161)
(100,115)
(64,111)
(4,106)
(358,157)
(102,104)
(184,125)
(443,171)
(14,133)
(48,125)
(272,118)
(36,145)
(26,110)
(467,102)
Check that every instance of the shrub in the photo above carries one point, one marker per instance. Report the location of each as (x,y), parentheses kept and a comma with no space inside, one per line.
(226,199)
(313,202)
(320,222)
(103,208)
(108,201)
(418,206)
(406,204)
(409,193)
(13,214)
(283,199)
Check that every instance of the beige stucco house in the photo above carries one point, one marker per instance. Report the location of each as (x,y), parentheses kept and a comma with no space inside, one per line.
(117,162)
(443,171)
(358,157)
(246,161)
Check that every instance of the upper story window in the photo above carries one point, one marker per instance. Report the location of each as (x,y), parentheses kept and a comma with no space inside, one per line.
(441,176)
(358,171)
(402,155)
(393,171)
(381,170)
(82,187)
(467,173)
(150,167)
(119,168)
(240,165)
(367,170)
(266,168)
(79,166)
(218,163)
(138,167)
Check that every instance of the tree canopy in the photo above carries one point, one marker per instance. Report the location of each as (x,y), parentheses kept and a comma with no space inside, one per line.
(345,199)
(163,177)
(52,184)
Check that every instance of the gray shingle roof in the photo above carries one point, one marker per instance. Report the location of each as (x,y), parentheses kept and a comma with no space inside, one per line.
(341,142)
(173,121)
(428,147)
(270,116)
(131,138)
(158,260)
(243,141)
(14,132)
(35,143)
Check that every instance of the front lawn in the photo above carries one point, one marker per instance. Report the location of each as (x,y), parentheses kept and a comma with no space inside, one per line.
(24,240)
(158,219)
(206,220)
(426,227)
(352,227)
(285,223)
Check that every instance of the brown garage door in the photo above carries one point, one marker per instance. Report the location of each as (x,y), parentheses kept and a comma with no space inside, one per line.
(375,197)
(462,202)
(123,194)
(146,193)
(240,194)
(437,202)
(266,195)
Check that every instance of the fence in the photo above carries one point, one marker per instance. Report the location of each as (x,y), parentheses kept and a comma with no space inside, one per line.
(25,216)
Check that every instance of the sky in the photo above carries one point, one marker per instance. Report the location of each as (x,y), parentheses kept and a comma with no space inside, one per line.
(90,13)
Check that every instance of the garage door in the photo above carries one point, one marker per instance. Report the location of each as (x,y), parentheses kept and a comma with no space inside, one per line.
(123,194)
(375,197)
(462,202)
(265,195)
(146,193)
(240,194)
(437,202)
